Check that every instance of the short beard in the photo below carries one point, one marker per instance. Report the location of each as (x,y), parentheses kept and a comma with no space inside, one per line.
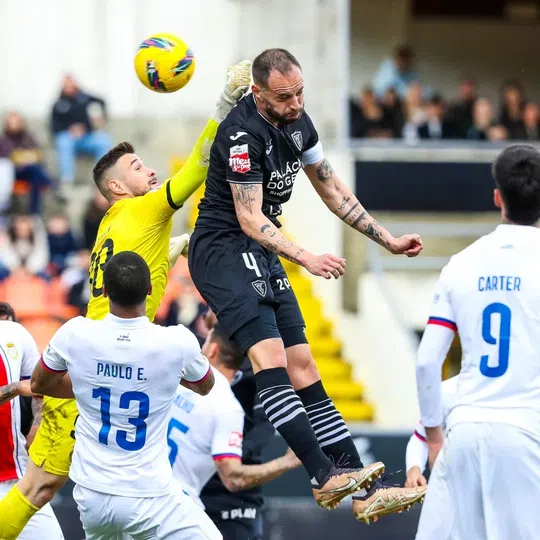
(274,116)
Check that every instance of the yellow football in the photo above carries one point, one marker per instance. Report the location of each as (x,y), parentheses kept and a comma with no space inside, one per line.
(164,63)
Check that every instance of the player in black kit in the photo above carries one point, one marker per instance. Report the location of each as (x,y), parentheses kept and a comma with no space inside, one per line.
(237,515)
(234,261)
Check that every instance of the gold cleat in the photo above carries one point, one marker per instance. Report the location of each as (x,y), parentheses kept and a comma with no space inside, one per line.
(382,500)
(343,482)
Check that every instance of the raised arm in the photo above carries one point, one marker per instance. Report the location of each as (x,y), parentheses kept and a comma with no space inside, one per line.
(343,203)
(248,200)
(186,181)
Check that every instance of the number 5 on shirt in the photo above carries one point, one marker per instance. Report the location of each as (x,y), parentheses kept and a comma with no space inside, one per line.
(174,424)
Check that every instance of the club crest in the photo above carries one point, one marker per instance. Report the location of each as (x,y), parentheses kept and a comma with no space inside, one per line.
(260,286)
(298,139)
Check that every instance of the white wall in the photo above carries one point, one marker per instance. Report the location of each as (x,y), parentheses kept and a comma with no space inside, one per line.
(490,51)
(376,27)
(96,40)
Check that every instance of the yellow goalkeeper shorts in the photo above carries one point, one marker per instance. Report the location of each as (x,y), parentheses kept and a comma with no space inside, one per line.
(52,448)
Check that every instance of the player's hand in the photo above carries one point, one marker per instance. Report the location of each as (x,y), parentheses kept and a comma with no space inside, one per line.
(408,244)
(326,266)
(236,85)
(178,245)
(291,460)
(24,389)
(434,439)
(415,478)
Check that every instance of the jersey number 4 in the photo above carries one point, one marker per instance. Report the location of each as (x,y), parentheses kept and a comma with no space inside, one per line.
(104,394)
(502,339)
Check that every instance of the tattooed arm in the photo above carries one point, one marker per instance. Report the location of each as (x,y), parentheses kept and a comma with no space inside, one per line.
(19,388)
(248,205)
(343,203)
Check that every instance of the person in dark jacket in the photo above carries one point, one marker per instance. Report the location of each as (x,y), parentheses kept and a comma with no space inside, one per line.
(62,244)
(437,126)
(77,124)
(22,148)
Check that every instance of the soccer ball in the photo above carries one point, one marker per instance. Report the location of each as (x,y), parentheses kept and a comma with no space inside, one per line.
(164,63)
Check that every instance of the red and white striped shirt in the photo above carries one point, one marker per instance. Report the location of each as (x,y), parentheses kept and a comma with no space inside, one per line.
(18,356)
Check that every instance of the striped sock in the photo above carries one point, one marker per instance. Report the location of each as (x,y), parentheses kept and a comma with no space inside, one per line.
(330,429)
(286,413)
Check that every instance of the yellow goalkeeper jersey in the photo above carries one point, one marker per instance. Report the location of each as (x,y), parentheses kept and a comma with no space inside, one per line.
(143,224)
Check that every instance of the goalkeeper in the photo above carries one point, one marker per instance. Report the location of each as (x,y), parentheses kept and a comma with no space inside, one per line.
(140,220)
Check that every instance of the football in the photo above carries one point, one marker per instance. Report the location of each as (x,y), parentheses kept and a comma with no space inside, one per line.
(164,63)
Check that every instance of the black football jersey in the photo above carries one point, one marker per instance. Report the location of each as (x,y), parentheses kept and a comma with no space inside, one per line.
(249,149)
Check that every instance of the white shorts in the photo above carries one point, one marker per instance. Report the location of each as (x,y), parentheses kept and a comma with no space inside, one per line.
(171,517)
(485,486)
(42,525)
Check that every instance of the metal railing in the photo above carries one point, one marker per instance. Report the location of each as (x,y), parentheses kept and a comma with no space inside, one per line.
(379,262)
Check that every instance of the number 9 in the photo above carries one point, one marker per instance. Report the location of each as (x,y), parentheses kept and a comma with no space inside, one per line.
(503,339)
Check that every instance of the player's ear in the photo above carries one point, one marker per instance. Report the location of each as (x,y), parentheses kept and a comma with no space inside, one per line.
(105,295)
(497,199)
(149,290)
(255,90)
(116,187)
(212,350)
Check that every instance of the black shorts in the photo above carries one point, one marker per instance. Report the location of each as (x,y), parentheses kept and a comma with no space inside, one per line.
(246,286)
(233,527)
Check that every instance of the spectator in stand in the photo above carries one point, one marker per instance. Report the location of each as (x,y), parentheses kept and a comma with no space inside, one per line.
(482,120)
(396,72)
(498,133)
(394,109)
(62,244)
(513,102)
(436,125)
(415,114)
(96,209)
(370,120)
(22,148)
(75,279)
(77,123)
(461,111)
(531,122)
(26,249)
(4,241)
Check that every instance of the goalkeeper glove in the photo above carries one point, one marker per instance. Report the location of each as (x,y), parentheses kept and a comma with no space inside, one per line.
(238,80)
(178,245)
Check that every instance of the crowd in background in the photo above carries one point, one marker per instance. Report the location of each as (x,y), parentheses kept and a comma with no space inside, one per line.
(398,106)
(44,260)
(43,256)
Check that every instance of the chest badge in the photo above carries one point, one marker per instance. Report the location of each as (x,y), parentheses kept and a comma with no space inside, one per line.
(12,351)
(298,139)
(269,147)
